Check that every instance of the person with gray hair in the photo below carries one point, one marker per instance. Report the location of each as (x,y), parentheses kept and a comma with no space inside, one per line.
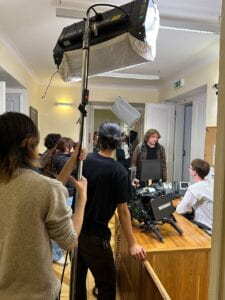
(109,187)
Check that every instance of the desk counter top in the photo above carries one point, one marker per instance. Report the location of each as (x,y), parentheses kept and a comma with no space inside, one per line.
(192,238)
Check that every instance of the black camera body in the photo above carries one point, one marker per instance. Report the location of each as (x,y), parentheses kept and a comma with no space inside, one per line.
(151,207)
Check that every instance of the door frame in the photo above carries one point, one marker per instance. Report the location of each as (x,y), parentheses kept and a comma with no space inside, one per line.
(94,105)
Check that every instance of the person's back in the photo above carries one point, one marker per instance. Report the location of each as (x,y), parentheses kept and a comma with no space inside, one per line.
(199,196)
(64,148)
(26,258)
(108,188)
(203,206)
(33,210)
(106,178)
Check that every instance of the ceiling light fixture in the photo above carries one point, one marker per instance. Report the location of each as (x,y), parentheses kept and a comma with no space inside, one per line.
(64,104)
(187,29)
(129,76)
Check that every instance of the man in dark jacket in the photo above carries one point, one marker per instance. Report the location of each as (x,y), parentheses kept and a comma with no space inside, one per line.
(150,149)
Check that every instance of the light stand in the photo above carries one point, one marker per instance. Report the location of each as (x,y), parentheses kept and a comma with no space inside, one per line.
(126,31)
(84,102)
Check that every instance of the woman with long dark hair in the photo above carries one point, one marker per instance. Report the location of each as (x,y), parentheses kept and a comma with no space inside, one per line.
(33,210)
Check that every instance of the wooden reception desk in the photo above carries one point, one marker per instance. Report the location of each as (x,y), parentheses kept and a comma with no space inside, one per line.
(181,263)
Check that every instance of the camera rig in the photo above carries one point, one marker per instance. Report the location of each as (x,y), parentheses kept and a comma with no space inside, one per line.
(152,207)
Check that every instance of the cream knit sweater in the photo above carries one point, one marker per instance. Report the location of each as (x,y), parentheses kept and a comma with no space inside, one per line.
(32,210)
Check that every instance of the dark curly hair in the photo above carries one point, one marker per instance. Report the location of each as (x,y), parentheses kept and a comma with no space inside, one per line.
(51,140)
(109,136)
(19,138)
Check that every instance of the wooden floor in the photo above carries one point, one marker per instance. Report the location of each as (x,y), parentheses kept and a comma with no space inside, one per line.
(90,280)
(66,282)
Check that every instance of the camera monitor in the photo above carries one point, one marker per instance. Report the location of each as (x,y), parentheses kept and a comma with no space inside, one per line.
(151,169)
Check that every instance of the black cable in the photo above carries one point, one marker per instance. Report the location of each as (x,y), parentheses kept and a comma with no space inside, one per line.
(94,11)
(46,90)
(62,276)
(109,5)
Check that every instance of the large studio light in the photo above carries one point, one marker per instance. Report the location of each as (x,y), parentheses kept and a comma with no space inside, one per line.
(119,38)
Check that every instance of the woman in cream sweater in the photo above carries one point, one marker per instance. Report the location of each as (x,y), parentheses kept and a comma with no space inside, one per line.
(33,210)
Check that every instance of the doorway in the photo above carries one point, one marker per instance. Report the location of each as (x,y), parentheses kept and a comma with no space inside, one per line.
(187,142)
(99,112)
(189,131)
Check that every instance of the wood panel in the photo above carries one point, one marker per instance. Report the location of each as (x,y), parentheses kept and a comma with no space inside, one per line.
(152,287)
(210,143)
(181,264)
(187,270)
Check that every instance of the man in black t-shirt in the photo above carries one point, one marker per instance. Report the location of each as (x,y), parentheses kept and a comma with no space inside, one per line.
(108,189)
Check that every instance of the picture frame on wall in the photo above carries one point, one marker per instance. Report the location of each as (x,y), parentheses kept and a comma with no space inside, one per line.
(34,115)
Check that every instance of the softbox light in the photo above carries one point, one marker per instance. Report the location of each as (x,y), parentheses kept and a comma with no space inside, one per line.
(126,112)
(119,40)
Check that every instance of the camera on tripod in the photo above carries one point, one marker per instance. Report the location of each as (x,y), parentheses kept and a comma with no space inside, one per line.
(151,207)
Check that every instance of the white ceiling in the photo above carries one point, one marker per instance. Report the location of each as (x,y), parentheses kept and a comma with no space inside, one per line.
(31,28)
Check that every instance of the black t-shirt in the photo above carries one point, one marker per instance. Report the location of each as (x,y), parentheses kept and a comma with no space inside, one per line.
(151,153)
(108,185)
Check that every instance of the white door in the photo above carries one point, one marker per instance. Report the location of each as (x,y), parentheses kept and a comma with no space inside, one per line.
(2,97)
(162,118)
(13,102)
(196,127)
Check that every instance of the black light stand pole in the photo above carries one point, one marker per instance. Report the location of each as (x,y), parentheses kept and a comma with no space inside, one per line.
(84,102)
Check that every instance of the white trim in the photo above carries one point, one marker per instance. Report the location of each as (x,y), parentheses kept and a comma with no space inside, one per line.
(128,75)
(24,108)
(2,97)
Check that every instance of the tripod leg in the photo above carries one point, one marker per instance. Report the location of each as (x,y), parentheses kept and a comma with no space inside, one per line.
(178,229)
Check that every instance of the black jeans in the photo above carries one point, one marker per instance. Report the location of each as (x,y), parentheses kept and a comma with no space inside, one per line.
(95,253)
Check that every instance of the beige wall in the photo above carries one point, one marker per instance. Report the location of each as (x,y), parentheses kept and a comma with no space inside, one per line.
(207,75)
(53,118)
(11,64)
(58,119)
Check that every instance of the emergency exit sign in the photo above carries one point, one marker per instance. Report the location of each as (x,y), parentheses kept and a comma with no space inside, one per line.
(178,84)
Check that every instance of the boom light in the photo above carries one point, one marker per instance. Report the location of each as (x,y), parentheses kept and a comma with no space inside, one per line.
(119,38)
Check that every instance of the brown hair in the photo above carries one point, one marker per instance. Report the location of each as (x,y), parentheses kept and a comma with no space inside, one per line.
(201,167)
(19,138)
(47,159)
(149,133)
(64,143)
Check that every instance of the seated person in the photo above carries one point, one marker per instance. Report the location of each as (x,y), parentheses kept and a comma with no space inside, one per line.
(199,196)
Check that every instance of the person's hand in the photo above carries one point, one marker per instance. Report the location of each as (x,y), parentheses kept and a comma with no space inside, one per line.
(136,182)
(138,252)
(80,185)
(83,153)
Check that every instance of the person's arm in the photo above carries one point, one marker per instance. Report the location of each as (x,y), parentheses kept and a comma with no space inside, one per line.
(71,164)
(135,156)
(136,250)
(186,204)
(81,188)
